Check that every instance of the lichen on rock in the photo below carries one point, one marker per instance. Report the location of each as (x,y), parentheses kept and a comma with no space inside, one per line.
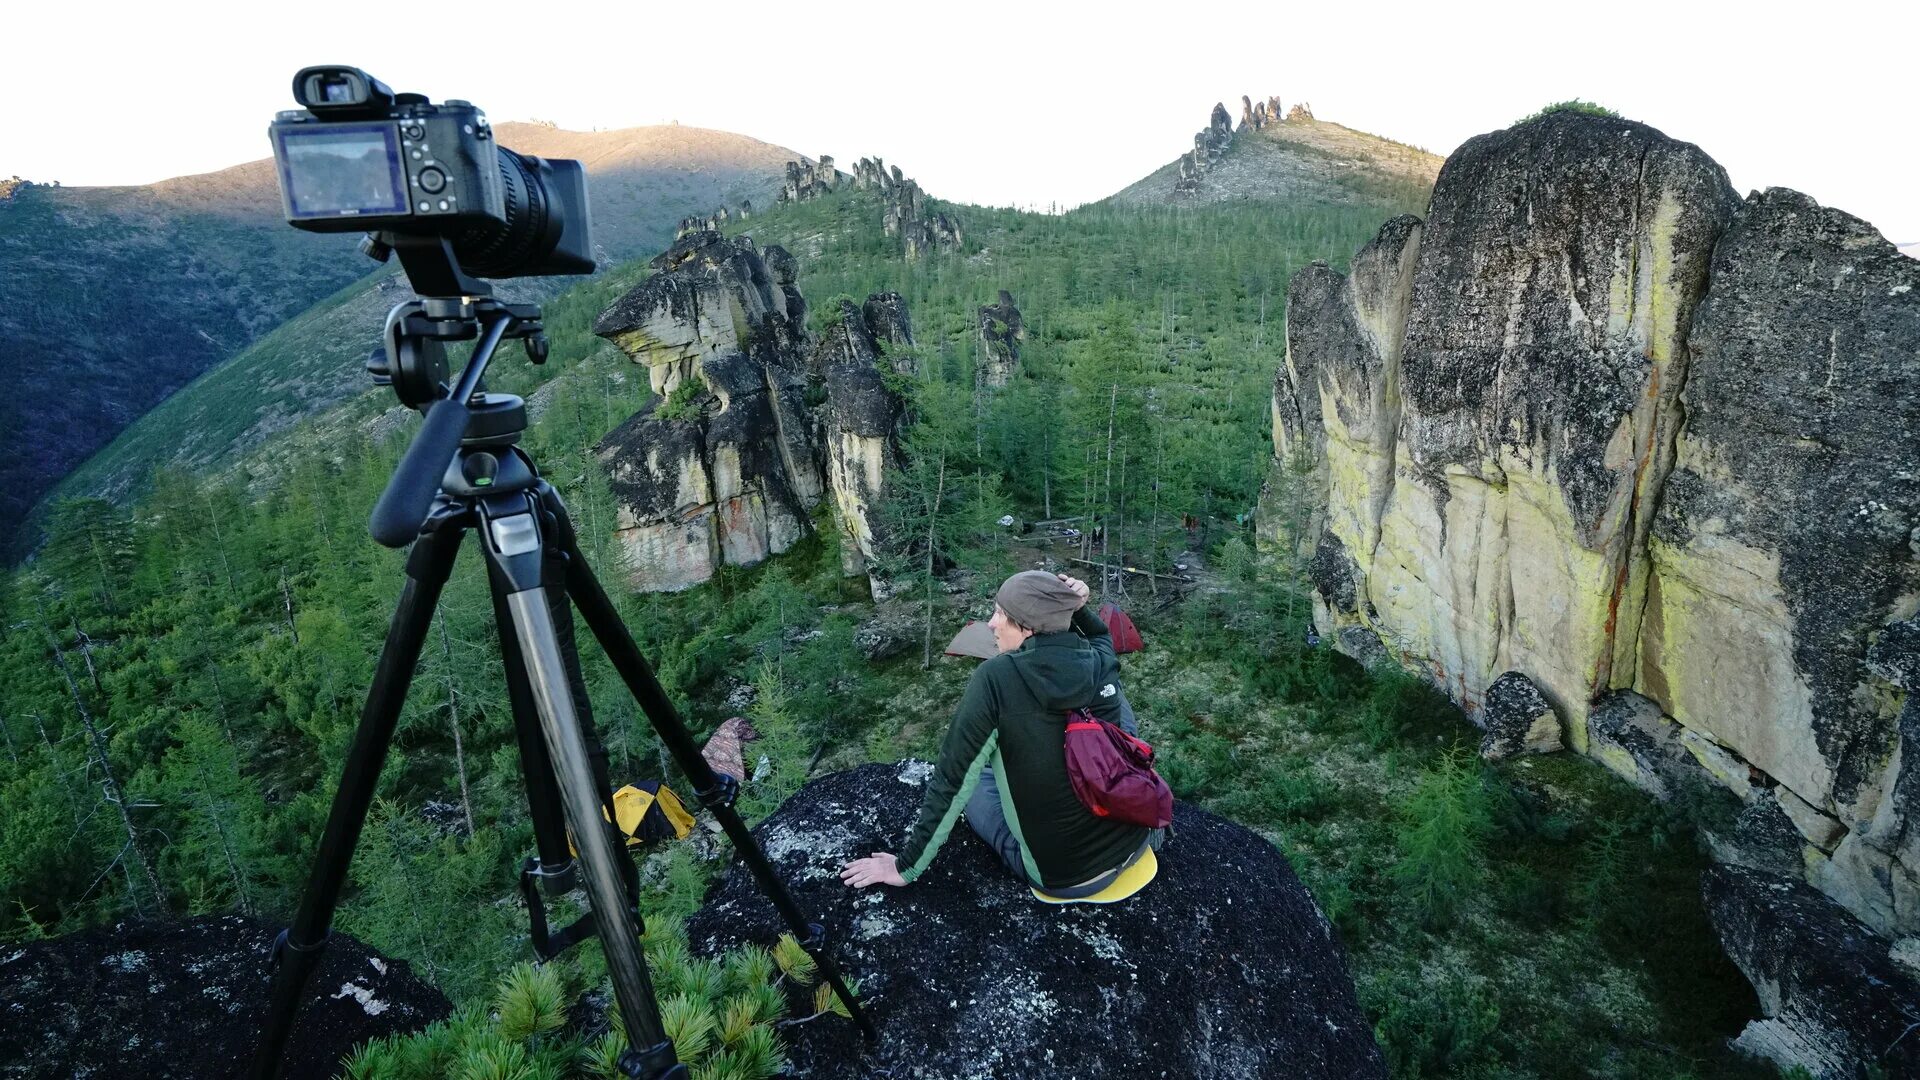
(184,999)
(1221,967)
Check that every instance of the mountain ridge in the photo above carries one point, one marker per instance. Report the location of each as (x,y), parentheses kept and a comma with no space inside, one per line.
(1295,157)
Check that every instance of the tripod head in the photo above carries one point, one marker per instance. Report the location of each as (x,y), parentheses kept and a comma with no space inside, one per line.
(413,362)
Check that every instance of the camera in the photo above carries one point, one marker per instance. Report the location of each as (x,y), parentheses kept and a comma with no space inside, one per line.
(421,177)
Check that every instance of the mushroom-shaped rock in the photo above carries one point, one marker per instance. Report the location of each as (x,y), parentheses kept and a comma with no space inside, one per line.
(185,999)
(1222,967)
(1519,719)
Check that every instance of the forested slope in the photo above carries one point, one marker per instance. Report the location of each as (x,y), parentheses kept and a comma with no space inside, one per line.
(209,645)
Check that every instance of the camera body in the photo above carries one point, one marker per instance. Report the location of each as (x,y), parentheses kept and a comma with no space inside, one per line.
(360,158)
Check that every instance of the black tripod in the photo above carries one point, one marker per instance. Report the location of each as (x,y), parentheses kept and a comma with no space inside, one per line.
(464,472)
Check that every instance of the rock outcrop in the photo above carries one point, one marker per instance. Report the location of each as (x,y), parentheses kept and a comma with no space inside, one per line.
(1255,115)
(713,222)
(1268,158)
(1221,967)
(724,467)
(908,213)
(863,422)
(1209,146)
(886,317)
(809,180)
(1001,332)
(1834,1002)
(1600,422)
(184,1000)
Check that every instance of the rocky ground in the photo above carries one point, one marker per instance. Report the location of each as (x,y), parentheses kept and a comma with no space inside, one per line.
(1222,967)
(182,999)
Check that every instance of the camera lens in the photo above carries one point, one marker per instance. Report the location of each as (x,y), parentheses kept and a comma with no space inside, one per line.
(531,231)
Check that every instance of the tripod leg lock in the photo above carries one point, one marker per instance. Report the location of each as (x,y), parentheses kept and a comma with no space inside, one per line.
(723,793)
(283,944)
(657,1062)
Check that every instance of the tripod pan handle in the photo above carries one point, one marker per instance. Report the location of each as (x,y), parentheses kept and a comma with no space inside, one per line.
(409,495)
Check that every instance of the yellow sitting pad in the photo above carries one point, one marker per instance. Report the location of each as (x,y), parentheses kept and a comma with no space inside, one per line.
(1131,880)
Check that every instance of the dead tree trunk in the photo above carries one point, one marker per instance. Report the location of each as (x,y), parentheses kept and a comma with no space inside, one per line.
(933,520)
(453,722)
(1106,531)
(286,603)
(110,787)
(226,843)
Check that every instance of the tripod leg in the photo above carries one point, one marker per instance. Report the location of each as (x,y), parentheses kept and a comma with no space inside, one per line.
(298,950)
(554,579)
(513,548)
(554,866)
(717,796)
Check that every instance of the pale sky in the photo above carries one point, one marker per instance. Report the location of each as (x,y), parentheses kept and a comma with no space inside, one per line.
(1027,104)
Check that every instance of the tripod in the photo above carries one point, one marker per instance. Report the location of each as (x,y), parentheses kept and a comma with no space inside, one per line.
(464,473)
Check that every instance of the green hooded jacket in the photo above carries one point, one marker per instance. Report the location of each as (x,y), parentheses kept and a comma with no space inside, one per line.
(1013,717)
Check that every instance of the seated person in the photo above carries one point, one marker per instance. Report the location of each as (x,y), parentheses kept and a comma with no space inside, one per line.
(1003,761)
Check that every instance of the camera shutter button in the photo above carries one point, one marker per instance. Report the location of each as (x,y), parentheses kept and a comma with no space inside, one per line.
(433,181)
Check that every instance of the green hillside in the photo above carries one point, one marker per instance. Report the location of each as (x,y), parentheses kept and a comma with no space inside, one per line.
(1531,919)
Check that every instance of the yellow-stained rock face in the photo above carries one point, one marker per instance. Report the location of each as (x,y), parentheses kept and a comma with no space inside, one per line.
(1655,451)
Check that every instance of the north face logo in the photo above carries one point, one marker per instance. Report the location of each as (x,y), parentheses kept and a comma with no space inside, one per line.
(1109,690)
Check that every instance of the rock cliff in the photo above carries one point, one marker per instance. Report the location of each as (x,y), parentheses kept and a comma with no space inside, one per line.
(726,466)
(1221,967)
(1600,423)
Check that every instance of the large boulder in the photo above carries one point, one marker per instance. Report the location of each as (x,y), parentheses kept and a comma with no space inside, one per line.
(1834,1002)
(1518,719)
(1222,967)
(1560,263)
(724,467)
(185,999)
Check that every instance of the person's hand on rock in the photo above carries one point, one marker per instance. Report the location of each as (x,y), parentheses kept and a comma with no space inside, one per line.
(880,868)
(1079,587)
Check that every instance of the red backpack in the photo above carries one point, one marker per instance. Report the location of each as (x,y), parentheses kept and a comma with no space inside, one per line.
(1112,773)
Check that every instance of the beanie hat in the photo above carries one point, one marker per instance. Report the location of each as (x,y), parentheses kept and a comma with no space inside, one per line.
(1038,601)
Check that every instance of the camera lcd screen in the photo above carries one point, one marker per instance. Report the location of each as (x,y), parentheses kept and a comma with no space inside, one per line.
(343,170)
